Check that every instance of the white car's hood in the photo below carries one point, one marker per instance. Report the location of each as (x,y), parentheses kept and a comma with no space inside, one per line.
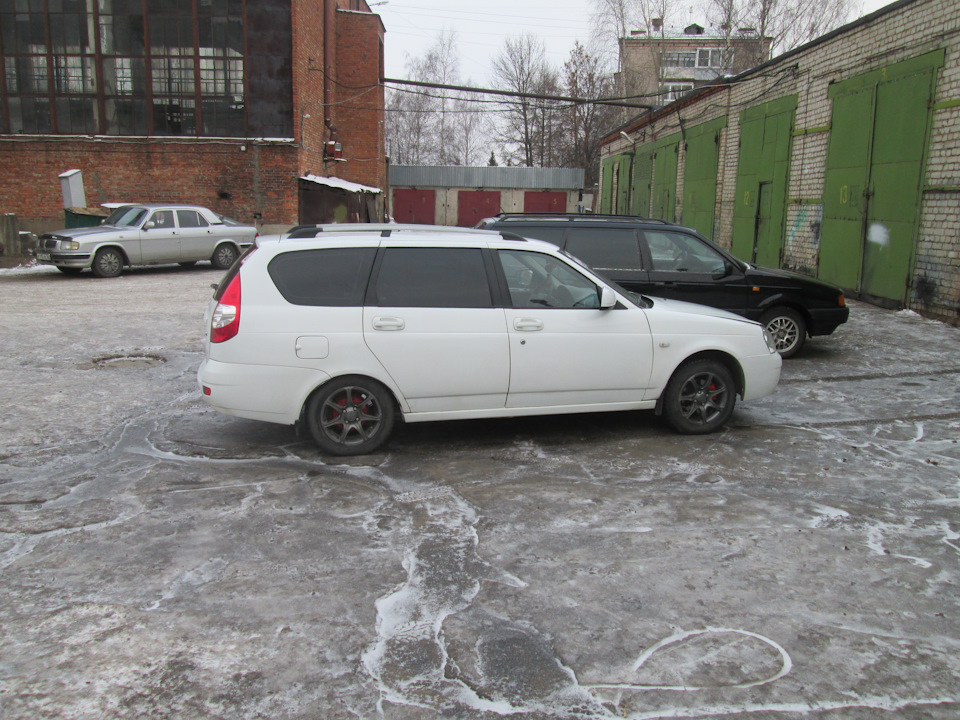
(679,306)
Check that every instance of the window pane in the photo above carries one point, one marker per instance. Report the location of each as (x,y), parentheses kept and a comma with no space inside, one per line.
(433,277)
(676,252)
(336,277)
(190,219)
(536,280)
(611,249)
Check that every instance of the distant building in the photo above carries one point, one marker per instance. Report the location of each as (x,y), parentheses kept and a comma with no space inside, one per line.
(222,103)
(667,62)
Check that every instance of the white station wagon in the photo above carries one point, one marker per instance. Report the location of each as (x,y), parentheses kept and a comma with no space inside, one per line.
(362,326)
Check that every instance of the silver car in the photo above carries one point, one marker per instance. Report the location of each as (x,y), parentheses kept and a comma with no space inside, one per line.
(147,235)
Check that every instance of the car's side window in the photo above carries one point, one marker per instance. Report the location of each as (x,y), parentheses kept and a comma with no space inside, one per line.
(606,248)
(334,277)
(553,235)
(536,280)
(162,220)
(191,219)
(432,277)
(678,252)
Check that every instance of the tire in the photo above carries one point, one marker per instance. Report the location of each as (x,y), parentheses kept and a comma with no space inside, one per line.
(69,270)
(788,329)
(351,415)
(699,397)
(107,263)
(224,256)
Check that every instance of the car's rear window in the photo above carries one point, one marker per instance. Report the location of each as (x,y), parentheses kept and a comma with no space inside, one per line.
(433,277)
(334,277)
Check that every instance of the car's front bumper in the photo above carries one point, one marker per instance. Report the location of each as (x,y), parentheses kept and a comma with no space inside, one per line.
(824,321)
(61,258)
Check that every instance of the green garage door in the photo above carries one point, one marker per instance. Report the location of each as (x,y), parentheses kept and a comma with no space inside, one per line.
(762,169)
(874,174)
(665,179)
(642,182)
(700,176)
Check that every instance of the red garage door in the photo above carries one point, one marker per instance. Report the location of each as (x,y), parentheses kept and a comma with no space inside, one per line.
(414,206)
(475,205)
(541,202)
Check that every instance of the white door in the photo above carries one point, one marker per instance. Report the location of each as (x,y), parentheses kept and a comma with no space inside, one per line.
(564,350)
(434,329)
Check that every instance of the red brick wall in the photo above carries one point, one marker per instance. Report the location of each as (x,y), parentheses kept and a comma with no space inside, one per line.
(358,114)
(220,175)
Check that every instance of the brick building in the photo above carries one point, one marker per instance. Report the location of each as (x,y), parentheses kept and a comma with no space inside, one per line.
(839,159)
(222,103)
(665,62)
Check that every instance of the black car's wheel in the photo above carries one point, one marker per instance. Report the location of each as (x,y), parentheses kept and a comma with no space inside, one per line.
(351,415)
(788,329)
(699,397)
(107,263)
(224,256)
(69,270)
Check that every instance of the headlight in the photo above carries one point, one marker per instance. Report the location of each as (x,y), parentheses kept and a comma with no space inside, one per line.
(771,341)
(69,245)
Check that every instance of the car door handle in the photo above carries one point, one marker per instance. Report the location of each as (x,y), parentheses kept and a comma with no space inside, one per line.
(388,323)
(527,324)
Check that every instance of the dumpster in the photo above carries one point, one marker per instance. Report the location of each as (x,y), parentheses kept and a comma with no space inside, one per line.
(78,217)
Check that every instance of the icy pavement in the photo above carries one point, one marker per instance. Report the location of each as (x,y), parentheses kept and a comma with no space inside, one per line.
(158,559)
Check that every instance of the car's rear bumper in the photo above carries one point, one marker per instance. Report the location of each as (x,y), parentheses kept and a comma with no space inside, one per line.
(824,321)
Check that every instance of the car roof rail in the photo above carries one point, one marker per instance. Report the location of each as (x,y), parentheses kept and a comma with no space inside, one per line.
(385,230)
(576,217)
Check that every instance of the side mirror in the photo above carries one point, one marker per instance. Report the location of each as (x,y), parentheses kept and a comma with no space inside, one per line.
(727,271)
(608,298)
(149,225)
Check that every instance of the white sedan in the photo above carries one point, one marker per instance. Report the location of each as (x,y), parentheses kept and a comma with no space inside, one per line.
(147,235)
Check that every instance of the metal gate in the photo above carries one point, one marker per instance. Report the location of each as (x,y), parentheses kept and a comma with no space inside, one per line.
(544,201)
(411,205)
(762,176)
(475,205)
(665,182)
(874,176)
(700,176)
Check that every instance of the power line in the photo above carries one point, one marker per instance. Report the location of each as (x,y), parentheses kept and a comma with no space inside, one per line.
(618,102)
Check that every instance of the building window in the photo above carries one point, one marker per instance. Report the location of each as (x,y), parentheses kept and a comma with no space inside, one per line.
(710,58)
(124,67)
(680,59)
(672,91)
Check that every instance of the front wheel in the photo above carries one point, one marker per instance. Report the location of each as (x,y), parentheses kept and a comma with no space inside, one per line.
(224,256)
(699,397)
(107,263)
(788,329)
(351,415)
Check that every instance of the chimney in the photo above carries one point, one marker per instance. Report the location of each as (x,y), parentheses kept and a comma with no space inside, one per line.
(657,23)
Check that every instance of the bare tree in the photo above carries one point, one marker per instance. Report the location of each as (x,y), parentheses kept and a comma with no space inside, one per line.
(521,67)
(585,76)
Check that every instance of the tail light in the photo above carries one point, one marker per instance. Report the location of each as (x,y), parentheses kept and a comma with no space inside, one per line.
(226,315)
(843,301)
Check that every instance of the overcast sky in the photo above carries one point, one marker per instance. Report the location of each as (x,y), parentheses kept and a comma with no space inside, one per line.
(481,28)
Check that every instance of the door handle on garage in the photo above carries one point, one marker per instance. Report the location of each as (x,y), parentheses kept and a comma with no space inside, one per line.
(527,324)
(388,323)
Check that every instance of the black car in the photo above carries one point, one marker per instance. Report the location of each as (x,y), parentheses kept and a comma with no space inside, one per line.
(654,257)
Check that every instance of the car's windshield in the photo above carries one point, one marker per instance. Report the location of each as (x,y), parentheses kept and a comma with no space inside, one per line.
(228,221)
(125,216)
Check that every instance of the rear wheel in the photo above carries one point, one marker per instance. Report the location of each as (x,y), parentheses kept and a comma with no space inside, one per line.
(699,397)
(788,329)
(107,263)
(351,415)
(224,256)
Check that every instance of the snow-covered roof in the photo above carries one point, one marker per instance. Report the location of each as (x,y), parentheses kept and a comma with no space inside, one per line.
(336,182)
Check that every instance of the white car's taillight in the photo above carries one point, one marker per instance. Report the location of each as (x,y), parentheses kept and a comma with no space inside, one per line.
(225,322)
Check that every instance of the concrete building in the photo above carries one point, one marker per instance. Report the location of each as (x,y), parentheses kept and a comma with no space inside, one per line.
(222,103)
(455,195)
(839,159)
(665,62)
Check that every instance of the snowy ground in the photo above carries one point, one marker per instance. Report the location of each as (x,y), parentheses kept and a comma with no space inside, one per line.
(158,559)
